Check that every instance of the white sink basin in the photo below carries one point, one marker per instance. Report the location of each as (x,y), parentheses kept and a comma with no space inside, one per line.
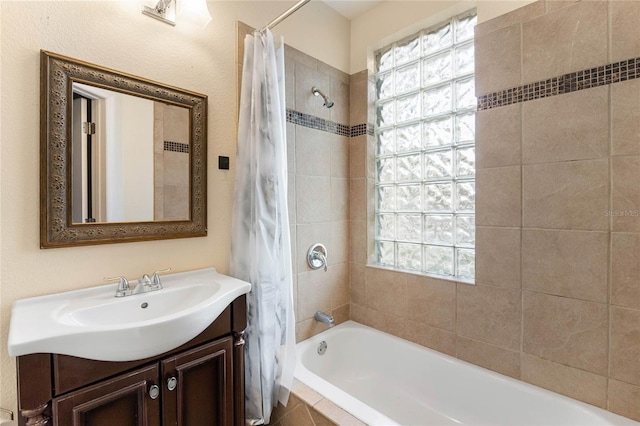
(92,323)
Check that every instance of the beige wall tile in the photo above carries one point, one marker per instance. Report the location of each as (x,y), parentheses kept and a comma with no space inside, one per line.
(306,102)
(574,383)
(338,92)
(305,393)
(625,114)
(334,73)
(573,126)
(313,152)
(431,337)
(625,270)
(567,331)
(358,237)
(291,147)
(358,98)
(625,194)
(312,196)
(357,274)
(386,291)
(314,293)
(339,199)
(336,414)
(388,323)
(489,356)
(358,313)
(176,169)
(498,196)
(308,328)
(499,49)
(289,82)
(291,198)
(498,256)
(566,40)
(358,199)
(431,301)
(358,157)
(176,202)
(498,137)
(624,356)
(558,4)
(624,399)
(625,43)
(337,279)
(319,419)
(339,242)
(566,263)
(489,314)
(339,155)
(522,14)
(293,54)
(566,195)
(341,314)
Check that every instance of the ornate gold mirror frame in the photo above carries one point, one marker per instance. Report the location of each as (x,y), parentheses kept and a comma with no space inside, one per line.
(58,73)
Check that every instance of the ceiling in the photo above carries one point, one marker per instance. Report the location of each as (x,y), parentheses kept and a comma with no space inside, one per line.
(351,9)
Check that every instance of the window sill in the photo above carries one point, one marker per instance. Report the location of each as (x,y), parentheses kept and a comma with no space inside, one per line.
(423,274)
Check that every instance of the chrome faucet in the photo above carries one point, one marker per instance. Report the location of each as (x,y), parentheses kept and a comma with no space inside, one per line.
(325,318)
(145,283)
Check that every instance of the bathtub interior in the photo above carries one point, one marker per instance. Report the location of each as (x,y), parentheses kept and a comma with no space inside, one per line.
(382,379)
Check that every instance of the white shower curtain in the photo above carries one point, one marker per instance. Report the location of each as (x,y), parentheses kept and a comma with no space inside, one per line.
(260,245)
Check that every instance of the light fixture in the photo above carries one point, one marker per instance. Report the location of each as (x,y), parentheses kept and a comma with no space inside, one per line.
(162,10)
(194,11)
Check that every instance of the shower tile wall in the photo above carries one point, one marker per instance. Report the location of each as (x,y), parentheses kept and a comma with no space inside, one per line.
(557,295)
(318,187)
(171,162)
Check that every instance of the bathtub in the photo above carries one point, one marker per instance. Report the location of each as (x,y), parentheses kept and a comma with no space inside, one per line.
(384,380)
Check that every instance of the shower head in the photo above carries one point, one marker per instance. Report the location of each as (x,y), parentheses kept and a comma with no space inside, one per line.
(316,92)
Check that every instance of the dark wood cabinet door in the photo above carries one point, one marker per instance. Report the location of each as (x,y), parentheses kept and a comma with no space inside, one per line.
(198,386)
(125,400)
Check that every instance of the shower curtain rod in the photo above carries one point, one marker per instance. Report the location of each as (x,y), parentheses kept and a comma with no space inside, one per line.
(286,14)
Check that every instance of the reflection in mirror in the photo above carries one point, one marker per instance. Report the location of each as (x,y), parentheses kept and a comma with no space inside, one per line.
(130,158)
(122,158)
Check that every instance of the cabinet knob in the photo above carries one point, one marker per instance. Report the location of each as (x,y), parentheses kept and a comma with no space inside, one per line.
(172,382)
(154,391)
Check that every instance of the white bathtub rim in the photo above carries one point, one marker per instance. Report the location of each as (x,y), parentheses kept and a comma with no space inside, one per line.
(342,399)
(369,415)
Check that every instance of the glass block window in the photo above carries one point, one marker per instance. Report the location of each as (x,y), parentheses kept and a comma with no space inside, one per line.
(425,159)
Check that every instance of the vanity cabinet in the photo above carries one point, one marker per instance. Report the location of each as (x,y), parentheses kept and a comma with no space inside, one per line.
(123,401)
(201,383)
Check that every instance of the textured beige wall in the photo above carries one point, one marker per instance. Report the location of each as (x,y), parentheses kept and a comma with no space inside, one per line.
(115,34)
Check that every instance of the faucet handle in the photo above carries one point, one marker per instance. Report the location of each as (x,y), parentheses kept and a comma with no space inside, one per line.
(123,285)
(155,279)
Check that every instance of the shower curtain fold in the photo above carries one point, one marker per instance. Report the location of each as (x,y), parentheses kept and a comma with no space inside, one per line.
(260,241)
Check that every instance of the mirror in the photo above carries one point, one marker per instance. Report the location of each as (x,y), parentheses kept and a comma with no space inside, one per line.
(122,158)
(129,158)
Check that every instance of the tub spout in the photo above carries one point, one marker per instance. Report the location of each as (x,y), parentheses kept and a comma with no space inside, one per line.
(325,318)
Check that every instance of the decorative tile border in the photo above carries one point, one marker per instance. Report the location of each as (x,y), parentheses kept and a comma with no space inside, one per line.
(318,123)
(571,82)
(176,147)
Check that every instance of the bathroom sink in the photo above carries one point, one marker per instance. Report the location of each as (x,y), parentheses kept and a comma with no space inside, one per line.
(92,323)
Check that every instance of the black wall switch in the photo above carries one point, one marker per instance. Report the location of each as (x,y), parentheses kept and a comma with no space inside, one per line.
(223,163)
